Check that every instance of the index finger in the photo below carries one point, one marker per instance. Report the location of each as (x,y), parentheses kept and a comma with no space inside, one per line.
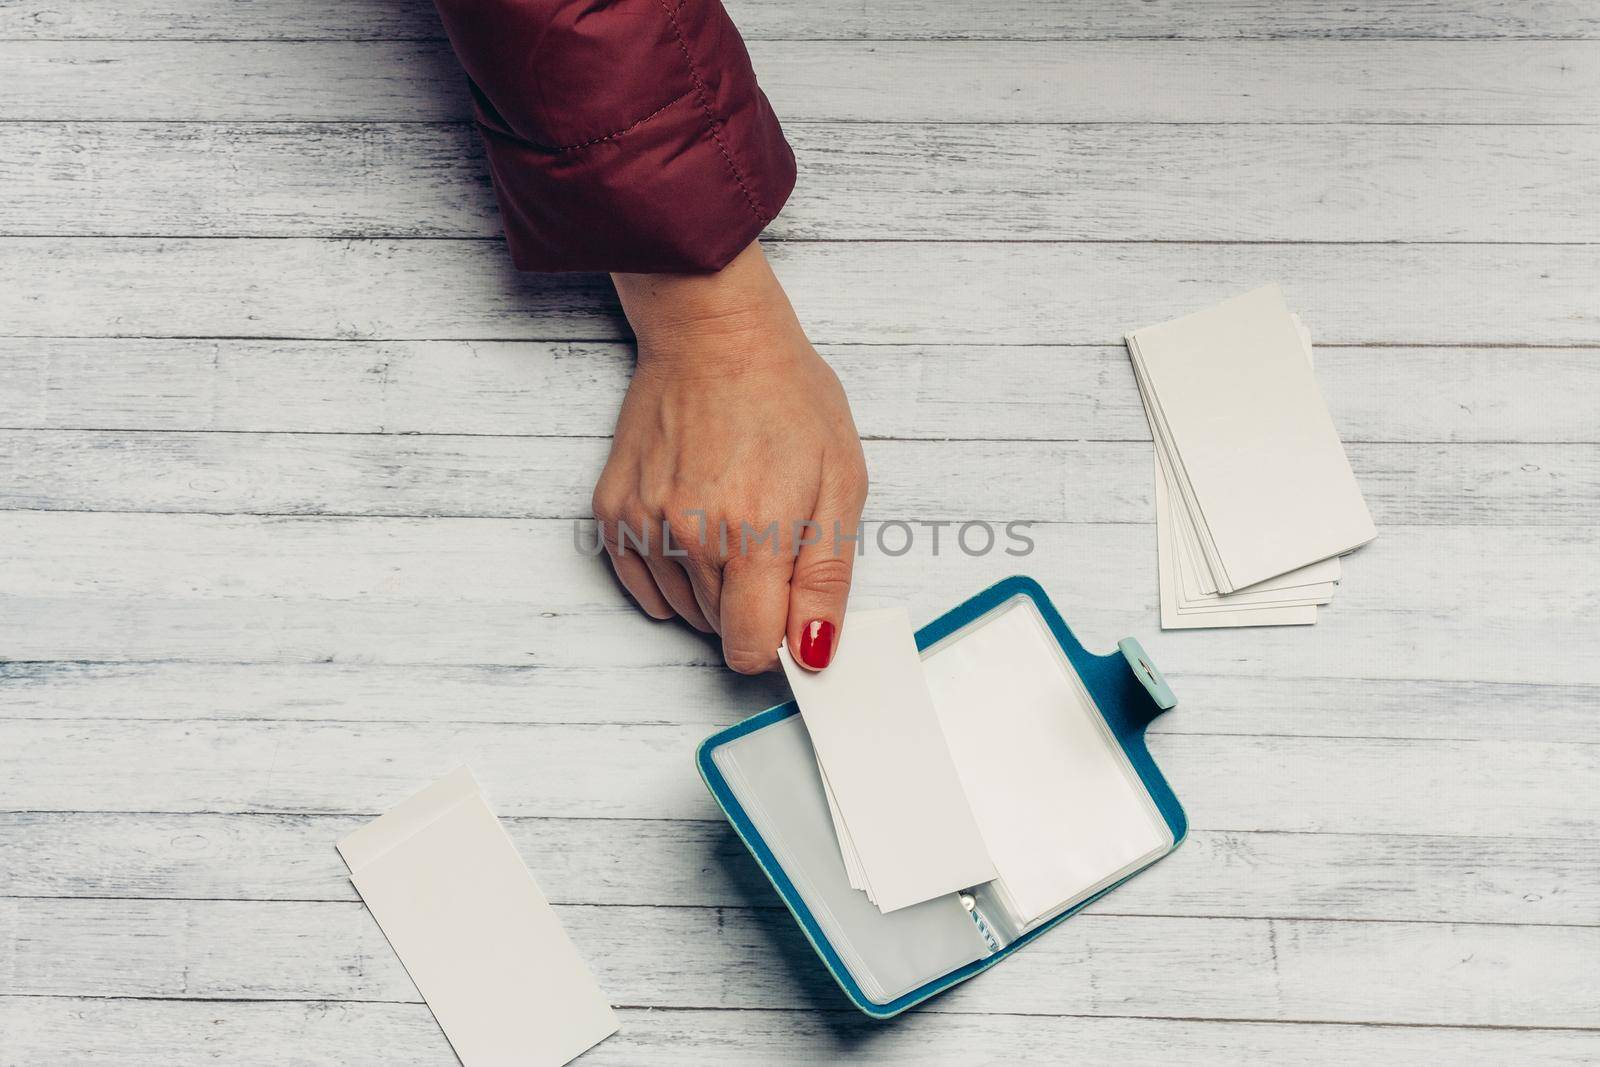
(755,597)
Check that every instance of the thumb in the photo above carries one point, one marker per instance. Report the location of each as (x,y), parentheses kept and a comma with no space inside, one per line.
(820,586)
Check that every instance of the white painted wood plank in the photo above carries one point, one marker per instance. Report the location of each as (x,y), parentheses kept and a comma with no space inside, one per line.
(402,81)
(703,864)
(371,692)
(551,477)
(883,181)
(878,292)
(1424,973)
(834,19)
(1295,784)
(1172,81)
(403,180)
(231,589)
(1199,183)
(942,392)
(878,81)
(159,1033)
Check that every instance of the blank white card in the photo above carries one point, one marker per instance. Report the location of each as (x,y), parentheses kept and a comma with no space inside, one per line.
(1062,811)
(474,932)
(878,741)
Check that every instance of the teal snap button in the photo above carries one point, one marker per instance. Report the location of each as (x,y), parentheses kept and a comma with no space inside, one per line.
(1145,670)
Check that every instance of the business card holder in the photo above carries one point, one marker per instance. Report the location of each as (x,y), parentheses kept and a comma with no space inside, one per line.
(762,772)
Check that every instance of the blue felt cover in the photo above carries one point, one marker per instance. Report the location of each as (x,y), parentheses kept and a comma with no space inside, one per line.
(1128,701)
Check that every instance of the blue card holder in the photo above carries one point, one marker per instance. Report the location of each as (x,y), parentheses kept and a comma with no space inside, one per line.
(1125,685)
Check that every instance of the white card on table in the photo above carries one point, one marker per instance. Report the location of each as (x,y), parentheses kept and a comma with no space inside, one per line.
(474,932)
(1060,806)
(878,741)
(1256,453)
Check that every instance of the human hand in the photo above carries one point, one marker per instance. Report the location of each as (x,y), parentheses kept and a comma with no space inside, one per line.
(733,428)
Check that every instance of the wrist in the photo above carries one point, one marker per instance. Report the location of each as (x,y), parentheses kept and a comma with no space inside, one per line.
(716,322)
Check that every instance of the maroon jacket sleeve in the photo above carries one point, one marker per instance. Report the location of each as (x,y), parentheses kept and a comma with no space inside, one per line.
(622,135)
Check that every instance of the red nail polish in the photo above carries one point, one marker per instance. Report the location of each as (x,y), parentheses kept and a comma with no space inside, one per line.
(816,644)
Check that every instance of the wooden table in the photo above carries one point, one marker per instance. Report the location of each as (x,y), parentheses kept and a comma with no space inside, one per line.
(290,462)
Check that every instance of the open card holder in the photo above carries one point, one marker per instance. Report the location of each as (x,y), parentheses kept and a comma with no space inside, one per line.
(763,773)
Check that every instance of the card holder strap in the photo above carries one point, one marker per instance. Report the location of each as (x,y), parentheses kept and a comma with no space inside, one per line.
(1129,688)
(1144,668)
(1132,692)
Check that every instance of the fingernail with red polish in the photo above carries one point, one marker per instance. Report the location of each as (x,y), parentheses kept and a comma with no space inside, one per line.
(816,644)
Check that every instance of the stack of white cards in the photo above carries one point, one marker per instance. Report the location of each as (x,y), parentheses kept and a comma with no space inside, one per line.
(1255,500)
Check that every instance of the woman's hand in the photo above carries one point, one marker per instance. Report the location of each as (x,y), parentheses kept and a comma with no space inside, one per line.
(737,438)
